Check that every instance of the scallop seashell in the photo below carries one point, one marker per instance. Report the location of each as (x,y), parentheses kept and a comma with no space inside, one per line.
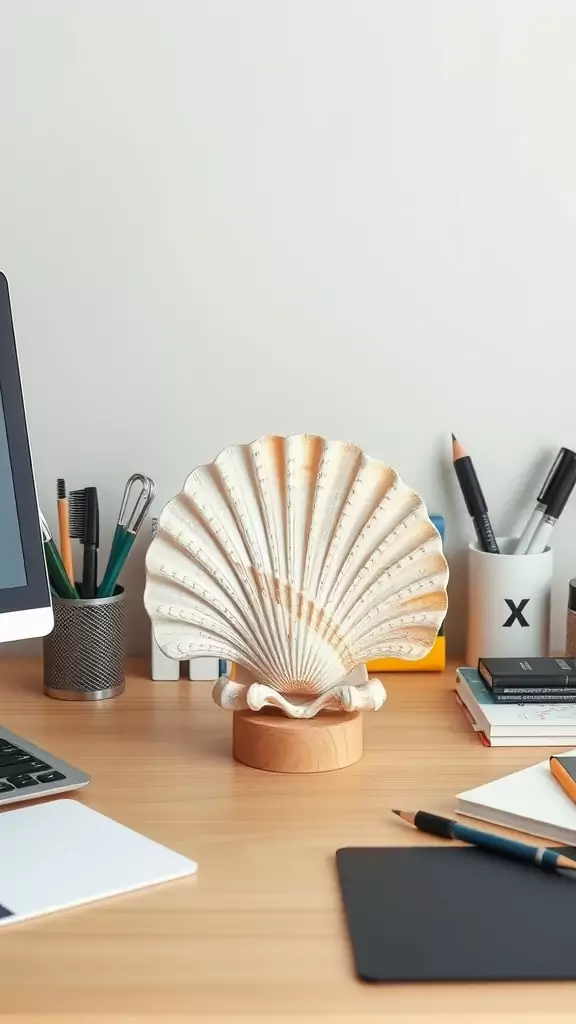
(300,559)
(357,693)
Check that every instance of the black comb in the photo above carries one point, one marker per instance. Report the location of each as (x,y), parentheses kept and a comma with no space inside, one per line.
(85,526)
(77,513)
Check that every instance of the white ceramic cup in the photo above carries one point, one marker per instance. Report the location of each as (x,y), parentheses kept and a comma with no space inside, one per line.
(508,603)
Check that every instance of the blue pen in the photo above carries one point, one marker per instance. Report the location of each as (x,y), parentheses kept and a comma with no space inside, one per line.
(539,856)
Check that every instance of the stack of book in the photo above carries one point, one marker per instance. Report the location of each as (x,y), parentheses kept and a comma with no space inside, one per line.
(520,702)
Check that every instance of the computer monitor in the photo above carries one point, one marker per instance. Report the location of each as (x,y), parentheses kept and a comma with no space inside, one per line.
(25,606)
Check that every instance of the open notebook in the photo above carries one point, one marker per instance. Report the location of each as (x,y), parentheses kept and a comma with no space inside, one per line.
(61,854)
(529,801)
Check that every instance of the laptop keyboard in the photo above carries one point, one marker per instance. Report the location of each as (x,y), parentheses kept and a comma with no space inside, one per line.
(21,770)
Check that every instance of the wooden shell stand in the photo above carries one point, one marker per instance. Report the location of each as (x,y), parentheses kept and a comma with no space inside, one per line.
(270,741)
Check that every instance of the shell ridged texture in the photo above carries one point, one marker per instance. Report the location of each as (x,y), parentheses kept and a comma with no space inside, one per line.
(298,558)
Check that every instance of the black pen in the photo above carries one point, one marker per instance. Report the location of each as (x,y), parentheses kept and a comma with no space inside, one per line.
(474,498)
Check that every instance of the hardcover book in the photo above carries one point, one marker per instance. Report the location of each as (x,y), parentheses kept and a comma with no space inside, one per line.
(528,672)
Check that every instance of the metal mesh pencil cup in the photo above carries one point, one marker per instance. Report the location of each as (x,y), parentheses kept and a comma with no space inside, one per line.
(84,654)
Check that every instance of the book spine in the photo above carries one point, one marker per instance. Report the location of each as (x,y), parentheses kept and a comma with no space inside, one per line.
(485,741)
(506,698)
(520,691)
(534,682)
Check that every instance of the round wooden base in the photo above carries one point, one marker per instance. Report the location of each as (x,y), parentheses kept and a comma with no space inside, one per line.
(270,741)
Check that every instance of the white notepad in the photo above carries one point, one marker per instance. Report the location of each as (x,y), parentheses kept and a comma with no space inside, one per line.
(529,801)
(62,854)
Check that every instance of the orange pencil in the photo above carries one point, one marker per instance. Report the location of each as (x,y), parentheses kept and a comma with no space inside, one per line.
(563,770)
(64,529)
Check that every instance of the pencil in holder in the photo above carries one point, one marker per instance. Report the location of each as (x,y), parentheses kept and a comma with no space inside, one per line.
(508,603)
(84,653)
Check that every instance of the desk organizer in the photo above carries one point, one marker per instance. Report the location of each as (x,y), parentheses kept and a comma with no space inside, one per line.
(508,603)
(84,653)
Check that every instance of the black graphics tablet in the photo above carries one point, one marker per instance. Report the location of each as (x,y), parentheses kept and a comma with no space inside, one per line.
(456,914)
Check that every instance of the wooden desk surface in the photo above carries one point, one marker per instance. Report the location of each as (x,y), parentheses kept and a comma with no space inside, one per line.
(259,935)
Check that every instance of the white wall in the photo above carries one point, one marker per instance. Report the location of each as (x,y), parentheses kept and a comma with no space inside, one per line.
(357,217)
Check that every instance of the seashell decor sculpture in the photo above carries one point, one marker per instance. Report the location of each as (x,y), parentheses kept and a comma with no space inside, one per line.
(299,559)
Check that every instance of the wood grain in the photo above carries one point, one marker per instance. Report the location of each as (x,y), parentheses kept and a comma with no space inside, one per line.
(272,742)
(259,936)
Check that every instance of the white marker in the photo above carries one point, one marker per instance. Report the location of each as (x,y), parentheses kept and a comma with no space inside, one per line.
(539,541)
(557,498)
(530,529)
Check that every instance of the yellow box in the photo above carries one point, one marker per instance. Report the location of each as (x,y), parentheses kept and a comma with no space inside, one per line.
(434,661)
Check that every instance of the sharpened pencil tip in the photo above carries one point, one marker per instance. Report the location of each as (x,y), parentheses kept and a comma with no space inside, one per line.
(396,812)
(458,451)
(566,863)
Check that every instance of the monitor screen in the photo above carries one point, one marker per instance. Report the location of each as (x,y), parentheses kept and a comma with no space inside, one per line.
(12,568)
(25,608)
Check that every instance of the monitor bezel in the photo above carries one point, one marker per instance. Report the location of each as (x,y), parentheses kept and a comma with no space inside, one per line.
(36,593)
